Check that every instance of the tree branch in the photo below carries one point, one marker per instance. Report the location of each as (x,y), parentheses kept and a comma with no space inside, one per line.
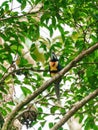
(47,83)
(22,15)
(21,70)
(74,109)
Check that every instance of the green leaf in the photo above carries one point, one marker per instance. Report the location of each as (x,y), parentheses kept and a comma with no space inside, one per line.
(20,1)
(54,21)
(95,127)
(40,109)
(61,29)
(0,75)
(11,103)
(4,3)
(23,62)
(26,90)
(23,4)
(2,89)
(8,109)
(40,128)
(54,109)
(51,30)
(1,97)
(43,123)
(63,110)
(2,68)
(62,129)
(51,125)
(3,111)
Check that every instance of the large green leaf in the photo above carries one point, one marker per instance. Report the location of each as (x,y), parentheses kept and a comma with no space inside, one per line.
(26,90)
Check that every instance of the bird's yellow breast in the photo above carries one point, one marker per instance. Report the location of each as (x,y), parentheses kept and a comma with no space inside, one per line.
(53,67)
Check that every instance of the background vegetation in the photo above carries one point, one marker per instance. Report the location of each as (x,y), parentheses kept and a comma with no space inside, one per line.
(70,27)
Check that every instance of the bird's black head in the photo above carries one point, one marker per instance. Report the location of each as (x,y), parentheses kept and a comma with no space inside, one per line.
(53,57)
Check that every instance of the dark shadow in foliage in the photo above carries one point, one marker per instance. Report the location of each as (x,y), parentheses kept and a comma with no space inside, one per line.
(28,116)
(1,121)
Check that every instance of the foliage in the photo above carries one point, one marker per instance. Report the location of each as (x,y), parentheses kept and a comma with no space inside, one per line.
(77,23)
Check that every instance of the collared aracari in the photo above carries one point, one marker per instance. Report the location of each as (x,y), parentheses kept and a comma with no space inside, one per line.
(54,68)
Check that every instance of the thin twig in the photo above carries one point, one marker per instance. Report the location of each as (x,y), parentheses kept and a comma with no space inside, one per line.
(21,70)
(4,75)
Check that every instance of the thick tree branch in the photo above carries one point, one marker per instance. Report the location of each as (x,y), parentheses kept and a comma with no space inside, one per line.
(46,84)
(74,109)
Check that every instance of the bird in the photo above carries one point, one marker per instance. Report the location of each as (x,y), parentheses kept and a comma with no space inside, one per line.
(54,68)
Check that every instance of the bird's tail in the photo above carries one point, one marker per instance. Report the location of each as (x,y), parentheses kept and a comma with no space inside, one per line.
(57,90)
